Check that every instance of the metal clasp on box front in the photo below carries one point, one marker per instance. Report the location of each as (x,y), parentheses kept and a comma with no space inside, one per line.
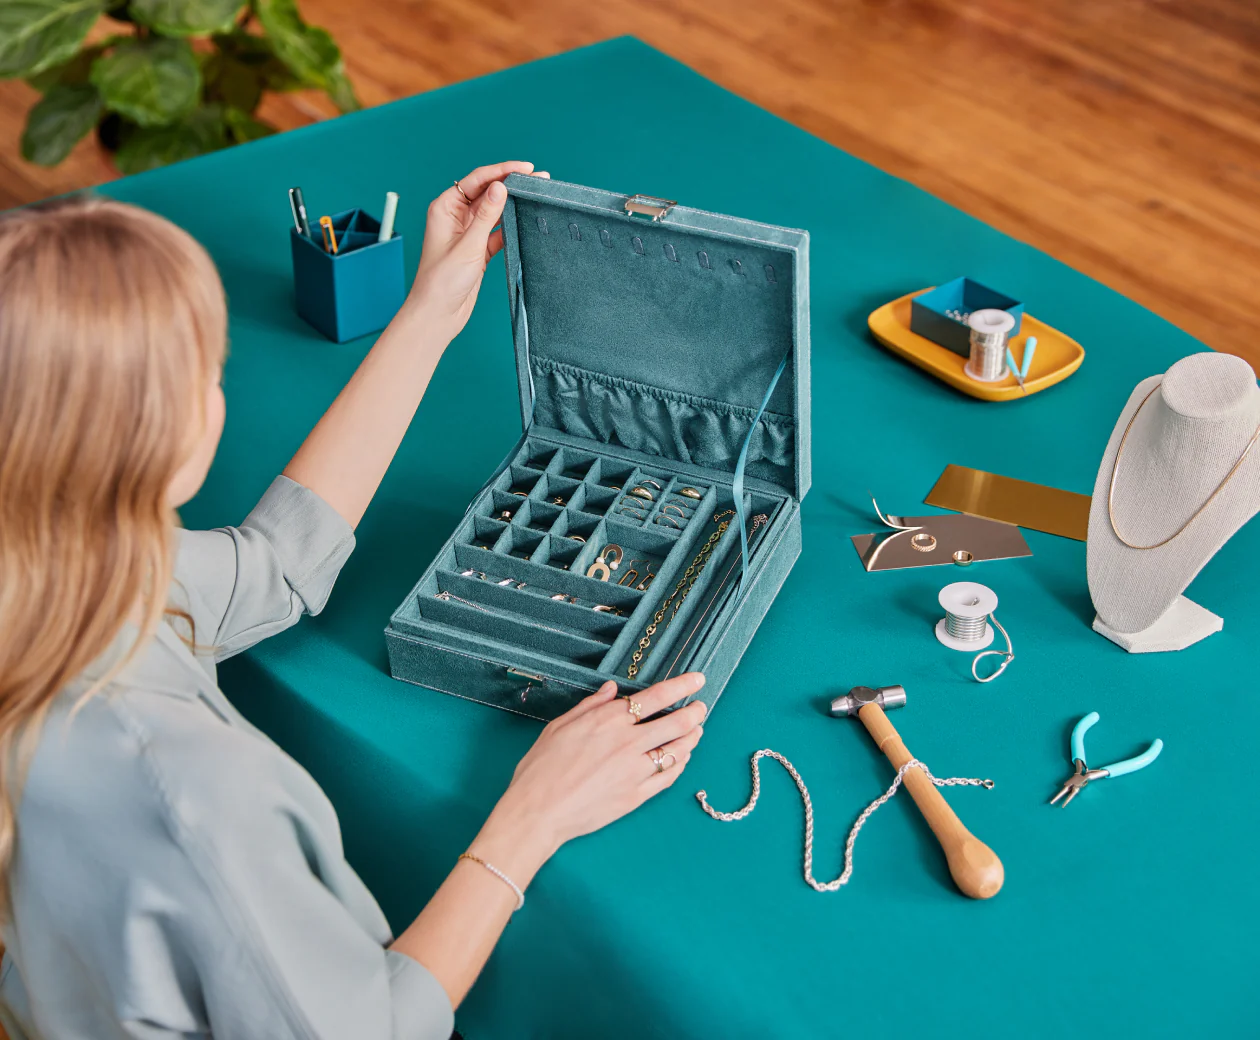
(529,686)
(649,206)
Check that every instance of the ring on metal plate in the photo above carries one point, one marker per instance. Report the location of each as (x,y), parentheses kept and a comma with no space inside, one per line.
(639,491)
(923,542)
(649,480)
(665,516)
(635,708)
(466,199)
(670,505)
(689,492)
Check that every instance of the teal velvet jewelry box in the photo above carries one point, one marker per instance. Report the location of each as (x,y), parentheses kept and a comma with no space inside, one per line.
(662,355)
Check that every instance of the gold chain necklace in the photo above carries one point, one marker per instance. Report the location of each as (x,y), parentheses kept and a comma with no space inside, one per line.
(685,584)
(1115,468)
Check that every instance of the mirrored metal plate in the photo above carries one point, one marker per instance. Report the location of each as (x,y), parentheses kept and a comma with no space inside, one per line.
(933,541)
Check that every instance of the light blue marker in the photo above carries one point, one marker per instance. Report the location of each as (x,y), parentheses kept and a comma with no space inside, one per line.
(1030,348)
(1014,369)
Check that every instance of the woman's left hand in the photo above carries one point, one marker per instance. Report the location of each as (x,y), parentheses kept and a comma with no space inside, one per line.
(460,237)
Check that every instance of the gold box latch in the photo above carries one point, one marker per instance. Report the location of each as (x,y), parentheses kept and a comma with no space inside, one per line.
(529,686)
(649,206)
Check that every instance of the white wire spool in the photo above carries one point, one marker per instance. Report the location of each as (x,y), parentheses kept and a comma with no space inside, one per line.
(989,331)
(967,606)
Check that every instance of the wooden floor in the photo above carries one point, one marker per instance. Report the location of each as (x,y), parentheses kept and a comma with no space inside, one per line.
(1122,136)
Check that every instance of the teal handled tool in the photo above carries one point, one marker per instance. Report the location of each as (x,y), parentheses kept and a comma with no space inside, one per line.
(1015,370)
(1084,774)
(1030,348)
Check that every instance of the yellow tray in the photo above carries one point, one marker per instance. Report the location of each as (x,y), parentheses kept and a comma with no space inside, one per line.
(1057,357)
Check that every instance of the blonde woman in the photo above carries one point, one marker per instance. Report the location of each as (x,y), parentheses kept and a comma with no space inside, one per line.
(167,870)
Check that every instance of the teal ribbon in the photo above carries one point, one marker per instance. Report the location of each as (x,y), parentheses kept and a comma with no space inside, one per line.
(520,322)
(737,485)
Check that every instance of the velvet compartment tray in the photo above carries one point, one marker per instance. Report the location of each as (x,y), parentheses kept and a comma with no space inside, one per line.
(511,584)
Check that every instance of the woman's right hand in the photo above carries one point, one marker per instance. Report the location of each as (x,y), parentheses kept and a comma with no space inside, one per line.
(589,767)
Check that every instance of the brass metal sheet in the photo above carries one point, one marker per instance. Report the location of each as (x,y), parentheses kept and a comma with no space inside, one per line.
(984,539)
(1036,506)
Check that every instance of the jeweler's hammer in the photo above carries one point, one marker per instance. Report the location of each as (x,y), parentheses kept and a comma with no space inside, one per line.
(976,870)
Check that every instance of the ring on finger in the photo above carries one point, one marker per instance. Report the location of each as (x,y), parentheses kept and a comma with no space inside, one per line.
(656,756)
(462,195)
(635,708)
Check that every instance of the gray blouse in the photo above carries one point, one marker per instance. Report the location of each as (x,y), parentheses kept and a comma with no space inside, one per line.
(177,874)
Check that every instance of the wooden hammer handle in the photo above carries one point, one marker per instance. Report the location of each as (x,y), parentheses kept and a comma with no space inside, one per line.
(975,868)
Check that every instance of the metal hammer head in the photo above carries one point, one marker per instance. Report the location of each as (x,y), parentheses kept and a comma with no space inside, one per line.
(887,697)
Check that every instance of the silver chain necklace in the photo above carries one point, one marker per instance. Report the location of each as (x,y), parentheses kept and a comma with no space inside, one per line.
(843,879)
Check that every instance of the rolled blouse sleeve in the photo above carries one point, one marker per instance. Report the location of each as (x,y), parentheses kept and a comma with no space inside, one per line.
(255,580)
(296,961)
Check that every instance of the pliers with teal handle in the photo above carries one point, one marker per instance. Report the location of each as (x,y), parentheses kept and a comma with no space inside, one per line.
(1084,774)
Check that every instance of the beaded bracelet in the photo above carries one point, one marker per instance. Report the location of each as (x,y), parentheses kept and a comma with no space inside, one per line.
(520,896)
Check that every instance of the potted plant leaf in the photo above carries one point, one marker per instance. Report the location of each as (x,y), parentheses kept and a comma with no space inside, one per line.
(173,79)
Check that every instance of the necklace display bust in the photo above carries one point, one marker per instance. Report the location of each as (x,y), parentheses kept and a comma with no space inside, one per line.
(1188,478)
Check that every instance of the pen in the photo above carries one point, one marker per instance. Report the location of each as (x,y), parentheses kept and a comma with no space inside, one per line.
(298,205)
(1030,348)
(1014,369)
(387,220)
(330,236)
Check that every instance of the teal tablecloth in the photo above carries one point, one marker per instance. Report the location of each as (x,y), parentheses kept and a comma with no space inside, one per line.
(1131,913)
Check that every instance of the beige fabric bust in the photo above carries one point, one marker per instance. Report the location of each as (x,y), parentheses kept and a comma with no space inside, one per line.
(1185,440)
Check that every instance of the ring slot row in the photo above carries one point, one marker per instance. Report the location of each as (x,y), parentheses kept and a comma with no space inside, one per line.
(579,620)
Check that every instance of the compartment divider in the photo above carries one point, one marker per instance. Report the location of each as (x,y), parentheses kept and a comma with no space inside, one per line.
(683,552)
(544,580)
(514,631)
(728,550)
(582,621)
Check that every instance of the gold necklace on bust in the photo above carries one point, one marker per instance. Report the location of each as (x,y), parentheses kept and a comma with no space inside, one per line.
(1115,468)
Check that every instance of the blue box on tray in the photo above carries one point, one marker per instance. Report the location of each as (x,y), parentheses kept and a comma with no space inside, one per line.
(355,291)
(929,312)
(663,371)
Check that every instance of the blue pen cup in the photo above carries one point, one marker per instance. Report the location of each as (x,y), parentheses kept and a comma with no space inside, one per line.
(928,315)
(358,290)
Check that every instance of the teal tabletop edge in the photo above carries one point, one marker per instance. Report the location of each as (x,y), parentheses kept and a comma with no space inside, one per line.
(1119,915)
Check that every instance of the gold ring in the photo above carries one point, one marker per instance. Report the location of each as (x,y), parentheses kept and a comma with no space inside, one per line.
(642,492)
(461,192)
(627,511)
(505,514)
(963,558)
(689,492)
(559,500)
(666,516)
(923,542)
(670,505)
(656,756)
(635,708)
(649,480)
(576,538)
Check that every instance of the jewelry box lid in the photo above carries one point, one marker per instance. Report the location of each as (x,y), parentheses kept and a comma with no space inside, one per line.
(660,328)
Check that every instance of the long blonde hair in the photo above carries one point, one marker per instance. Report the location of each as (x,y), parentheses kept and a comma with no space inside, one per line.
(111,322)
